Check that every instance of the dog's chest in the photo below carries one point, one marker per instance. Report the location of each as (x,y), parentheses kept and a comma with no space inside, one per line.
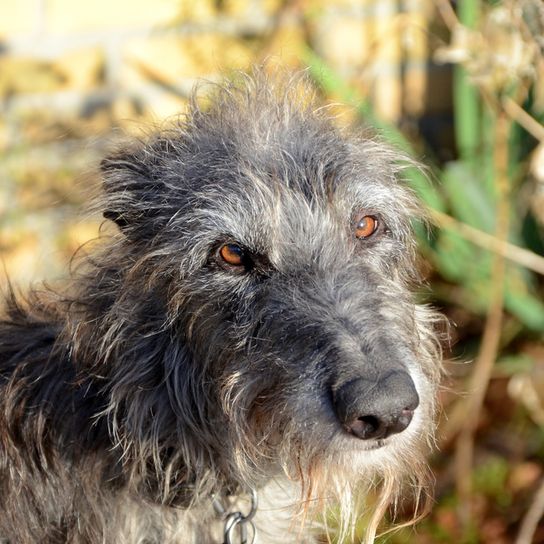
(145,524)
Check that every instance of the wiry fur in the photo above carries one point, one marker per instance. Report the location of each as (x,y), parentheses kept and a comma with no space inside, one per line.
(159,378)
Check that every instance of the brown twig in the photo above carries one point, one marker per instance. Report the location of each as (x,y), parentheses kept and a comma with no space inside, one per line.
(528,122)
(532,517)
(448,13)
(530,260)
(464,452)
(516,254)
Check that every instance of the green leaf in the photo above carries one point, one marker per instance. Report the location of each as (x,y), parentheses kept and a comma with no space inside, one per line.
(467,195)
(527,308)
(514,364)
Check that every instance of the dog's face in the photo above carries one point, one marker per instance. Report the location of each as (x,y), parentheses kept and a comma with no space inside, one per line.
(286,252)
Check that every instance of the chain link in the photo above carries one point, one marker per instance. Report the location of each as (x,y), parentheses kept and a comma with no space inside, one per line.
(236,522)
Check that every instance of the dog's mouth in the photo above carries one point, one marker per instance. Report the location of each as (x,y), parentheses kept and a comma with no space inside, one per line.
(354,443)
(368,445)
(375,445)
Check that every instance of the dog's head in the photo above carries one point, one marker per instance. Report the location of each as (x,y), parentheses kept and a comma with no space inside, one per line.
(273,258)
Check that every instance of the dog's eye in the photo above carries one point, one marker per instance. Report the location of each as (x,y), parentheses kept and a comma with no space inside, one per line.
(232,254)
(365,226)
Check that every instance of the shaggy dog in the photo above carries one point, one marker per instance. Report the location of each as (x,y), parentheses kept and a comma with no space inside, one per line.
(249,332)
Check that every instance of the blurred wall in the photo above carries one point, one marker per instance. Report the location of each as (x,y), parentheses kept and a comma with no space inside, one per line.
(72,73)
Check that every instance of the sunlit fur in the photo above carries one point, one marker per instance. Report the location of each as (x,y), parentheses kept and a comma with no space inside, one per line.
(158,377)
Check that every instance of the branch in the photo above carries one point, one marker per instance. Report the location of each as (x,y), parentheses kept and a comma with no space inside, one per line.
(519,255)
(532,517)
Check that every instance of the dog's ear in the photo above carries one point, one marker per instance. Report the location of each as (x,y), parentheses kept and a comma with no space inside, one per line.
(133,191)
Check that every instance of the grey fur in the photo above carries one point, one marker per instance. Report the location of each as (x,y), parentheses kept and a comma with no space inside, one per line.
(162,375)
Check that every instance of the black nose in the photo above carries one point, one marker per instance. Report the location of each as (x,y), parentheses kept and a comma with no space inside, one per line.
(373,409)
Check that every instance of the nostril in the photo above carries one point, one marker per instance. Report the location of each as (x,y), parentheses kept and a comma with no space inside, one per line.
(402,422)
(372,422)
(364,427)
(372,427)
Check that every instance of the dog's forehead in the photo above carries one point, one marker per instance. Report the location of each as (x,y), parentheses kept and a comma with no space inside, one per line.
(330,182)
(265,212)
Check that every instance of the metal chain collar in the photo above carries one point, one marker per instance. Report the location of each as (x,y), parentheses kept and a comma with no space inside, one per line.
(236,522)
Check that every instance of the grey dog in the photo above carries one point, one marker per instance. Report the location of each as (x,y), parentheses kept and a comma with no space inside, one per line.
(244,353)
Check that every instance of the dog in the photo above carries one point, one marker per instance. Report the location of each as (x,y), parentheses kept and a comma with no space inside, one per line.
(244,353)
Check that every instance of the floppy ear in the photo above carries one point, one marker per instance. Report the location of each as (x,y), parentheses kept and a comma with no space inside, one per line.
(134,193)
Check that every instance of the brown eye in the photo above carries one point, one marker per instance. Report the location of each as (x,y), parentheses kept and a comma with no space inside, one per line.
(365,226)
(232,254)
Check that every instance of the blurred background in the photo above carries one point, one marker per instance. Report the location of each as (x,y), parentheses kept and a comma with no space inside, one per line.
(459,85)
